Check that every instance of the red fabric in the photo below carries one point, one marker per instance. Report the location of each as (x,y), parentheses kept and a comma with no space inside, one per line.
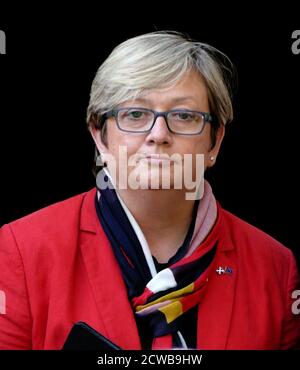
(57,268)
(164,342)
(140,300)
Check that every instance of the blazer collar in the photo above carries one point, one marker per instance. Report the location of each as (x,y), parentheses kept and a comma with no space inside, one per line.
(106,279)
(89,221)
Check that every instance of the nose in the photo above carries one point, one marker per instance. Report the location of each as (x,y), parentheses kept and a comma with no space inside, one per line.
(160,133)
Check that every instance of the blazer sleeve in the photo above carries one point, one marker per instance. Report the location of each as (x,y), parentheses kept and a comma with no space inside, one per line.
(291,324)
(15,317)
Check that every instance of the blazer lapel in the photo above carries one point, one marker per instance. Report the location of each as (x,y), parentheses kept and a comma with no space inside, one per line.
(106,280)
(215,311)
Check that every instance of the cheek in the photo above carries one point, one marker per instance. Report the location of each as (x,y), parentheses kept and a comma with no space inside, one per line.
(121,143)
(203,144)
(198,148)
(115,139)
(199,145)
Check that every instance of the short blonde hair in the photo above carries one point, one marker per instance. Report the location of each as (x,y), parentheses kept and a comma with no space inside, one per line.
(158,60)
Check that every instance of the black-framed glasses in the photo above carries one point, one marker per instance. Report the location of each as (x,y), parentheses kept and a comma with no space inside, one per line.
(142,120)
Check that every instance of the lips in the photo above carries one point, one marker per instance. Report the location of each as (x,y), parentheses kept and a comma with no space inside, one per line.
(158,157)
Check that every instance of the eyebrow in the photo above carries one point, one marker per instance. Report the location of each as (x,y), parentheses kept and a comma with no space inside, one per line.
(176,100)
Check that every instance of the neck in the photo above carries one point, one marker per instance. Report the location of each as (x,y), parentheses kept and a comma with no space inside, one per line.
(164,217)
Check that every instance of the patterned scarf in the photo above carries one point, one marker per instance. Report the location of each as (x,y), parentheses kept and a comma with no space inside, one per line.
(161,299)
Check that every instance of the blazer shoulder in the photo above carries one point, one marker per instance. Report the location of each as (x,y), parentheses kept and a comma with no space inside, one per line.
(253,240)
(53,222)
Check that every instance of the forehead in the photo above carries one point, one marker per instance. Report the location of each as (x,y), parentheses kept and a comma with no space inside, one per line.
(191,90)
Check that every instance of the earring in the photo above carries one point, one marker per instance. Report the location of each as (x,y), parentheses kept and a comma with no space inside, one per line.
(211,157)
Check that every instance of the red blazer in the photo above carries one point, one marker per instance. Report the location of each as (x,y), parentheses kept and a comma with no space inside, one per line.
(57,268)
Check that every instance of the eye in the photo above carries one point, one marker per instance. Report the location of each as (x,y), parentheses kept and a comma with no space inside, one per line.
(135,114)
(184,116)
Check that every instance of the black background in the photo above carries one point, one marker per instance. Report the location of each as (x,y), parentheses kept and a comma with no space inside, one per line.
(45,78)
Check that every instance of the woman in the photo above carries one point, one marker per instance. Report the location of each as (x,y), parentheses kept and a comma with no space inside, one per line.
(149,259)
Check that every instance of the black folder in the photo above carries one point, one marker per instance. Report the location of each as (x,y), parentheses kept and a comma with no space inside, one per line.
(84,337)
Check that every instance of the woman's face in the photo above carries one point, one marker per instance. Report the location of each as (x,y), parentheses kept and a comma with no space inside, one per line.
(151,151)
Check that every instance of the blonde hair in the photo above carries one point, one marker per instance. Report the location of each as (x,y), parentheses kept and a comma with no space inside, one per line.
(158,60)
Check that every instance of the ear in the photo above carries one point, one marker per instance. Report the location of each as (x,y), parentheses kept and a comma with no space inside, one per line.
(213,153)
(96,135)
